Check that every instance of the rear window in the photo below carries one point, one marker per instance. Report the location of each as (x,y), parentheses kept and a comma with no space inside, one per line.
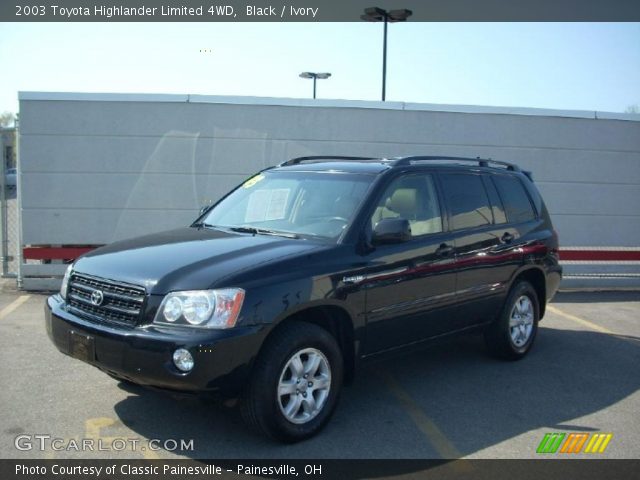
(514,197)
(467,200)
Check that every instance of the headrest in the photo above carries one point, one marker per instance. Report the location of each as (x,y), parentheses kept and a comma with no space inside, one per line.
(404,201)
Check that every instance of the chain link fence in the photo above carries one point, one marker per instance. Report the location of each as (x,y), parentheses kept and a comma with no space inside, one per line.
(9,214)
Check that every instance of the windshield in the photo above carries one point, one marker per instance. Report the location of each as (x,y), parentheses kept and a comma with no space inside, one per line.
(316,204)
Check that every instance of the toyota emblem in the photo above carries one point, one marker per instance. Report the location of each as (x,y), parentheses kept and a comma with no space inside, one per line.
(97,298)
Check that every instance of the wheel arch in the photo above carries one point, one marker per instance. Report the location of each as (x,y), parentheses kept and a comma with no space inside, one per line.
(537,279)
(334,319)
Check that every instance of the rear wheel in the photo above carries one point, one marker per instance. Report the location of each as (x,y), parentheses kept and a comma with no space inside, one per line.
(295,383)
(512,335)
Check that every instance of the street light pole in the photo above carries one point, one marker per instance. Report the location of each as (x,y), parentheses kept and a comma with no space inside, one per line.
(384,58)
(375,14)
(315,76)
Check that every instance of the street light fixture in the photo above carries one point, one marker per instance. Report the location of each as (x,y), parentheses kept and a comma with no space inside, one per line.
(315,76)
(375,14)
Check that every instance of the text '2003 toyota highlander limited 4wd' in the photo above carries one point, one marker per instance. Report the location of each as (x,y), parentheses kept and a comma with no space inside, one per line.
(279,290)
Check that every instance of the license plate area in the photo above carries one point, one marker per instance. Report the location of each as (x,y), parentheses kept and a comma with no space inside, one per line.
(82,346)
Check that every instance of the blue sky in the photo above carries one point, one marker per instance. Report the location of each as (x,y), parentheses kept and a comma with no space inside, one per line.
(584,66)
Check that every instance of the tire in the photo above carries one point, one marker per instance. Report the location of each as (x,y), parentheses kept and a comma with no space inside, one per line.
(270,403)
(512,335)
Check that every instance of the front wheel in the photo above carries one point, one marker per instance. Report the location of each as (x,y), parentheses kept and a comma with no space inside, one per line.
(512,335)
(295,383)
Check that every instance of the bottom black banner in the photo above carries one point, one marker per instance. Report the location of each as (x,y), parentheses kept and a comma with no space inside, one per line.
(325,469)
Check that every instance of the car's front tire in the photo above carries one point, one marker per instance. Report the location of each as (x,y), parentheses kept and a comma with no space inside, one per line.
(512,335)
(295,383)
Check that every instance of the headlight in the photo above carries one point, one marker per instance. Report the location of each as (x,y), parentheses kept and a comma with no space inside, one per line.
(201,308)
(65,282)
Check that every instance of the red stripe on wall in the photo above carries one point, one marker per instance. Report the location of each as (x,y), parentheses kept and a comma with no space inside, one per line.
(71,253)
(600,255)
(54,253)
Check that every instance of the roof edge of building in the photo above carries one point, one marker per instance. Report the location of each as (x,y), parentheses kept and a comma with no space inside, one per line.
(326,103)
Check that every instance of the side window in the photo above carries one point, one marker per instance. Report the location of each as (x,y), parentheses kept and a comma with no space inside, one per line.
(412,197)
(496,204)
(514,198)
(467,200)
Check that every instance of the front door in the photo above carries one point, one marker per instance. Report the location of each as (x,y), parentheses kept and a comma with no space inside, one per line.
(410,285)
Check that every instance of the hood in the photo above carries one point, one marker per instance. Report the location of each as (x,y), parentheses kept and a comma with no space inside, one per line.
(188,258)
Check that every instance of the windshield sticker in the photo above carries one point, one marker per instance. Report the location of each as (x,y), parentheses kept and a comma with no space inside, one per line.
(277,204)
(252,181)
(267,205)
(257,207)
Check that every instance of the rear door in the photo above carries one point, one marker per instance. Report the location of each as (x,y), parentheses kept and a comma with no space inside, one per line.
(484,252)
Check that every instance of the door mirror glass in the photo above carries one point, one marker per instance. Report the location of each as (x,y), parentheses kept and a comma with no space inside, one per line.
(391,230)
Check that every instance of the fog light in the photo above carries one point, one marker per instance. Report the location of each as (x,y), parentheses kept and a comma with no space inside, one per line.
(183,360)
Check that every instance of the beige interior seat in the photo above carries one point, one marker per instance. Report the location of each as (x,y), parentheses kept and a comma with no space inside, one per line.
(404,203)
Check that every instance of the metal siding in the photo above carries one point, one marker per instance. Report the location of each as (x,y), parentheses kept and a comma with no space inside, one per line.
(95,171)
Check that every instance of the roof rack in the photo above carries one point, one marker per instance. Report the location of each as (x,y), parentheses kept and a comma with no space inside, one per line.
(296,161)
(482,162)
(402,161)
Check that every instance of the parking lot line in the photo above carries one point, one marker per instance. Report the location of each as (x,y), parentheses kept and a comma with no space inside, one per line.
(93,427)
(582,321)
(150,454)
(440,442)
(13,306)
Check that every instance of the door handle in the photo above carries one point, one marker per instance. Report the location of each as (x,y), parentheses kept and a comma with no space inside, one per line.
(507,237)
(444,250)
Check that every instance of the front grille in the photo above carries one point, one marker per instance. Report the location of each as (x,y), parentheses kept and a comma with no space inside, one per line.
(121,303)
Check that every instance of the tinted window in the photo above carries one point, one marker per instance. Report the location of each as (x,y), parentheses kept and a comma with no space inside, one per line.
(412,197)
(496,204)
(514,198)
(467,200)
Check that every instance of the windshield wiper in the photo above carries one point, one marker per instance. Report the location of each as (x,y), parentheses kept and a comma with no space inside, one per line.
(262,231)
(204,224)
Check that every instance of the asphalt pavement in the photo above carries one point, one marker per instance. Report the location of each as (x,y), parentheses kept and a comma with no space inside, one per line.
(448,401)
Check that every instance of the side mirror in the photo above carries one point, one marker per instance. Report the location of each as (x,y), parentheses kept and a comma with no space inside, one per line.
(391,230)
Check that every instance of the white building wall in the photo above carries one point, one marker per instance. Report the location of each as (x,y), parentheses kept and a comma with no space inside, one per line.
(101,167)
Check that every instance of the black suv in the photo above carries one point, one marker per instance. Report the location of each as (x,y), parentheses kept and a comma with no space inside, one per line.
(278,291)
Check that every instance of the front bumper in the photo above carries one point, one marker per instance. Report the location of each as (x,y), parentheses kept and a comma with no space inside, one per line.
(143,354)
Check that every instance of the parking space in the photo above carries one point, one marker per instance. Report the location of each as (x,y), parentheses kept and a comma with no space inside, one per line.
(449,400)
